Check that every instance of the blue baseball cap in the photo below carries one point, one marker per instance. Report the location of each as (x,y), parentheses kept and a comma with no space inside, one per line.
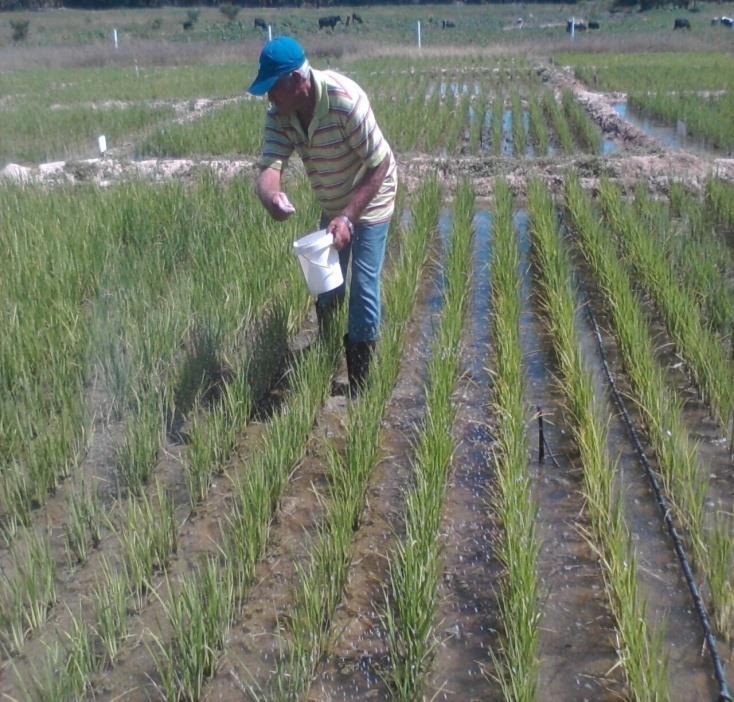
(278,58)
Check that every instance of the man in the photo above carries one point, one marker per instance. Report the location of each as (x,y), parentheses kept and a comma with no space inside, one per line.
(327,119)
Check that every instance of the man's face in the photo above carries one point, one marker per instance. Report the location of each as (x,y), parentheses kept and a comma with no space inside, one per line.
(284,94)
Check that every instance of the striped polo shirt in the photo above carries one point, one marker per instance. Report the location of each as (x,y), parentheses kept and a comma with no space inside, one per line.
(342,143)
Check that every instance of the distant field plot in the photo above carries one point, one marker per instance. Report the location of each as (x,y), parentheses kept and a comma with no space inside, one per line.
(67,86)
(34,134)
(664,71)
(234,129)
(696,90)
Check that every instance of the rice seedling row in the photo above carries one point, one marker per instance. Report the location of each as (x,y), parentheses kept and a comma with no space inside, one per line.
(640,642)
(321,581)
(686,484)
(414,567)
(706,357)
(516,662)
(701,263)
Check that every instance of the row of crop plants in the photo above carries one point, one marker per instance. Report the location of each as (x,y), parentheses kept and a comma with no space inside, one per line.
(516,662)
(415,563)
(685,231)
(321,581)
(707,358)
(685,481)
(639,643)
(175,306)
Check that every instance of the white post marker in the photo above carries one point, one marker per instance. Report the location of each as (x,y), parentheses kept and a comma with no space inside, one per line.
(270,33)
(102,144)
(573,26)
(114,37)
(419,34)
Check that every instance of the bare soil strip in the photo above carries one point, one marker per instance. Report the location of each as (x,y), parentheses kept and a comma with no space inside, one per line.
(467,615)
(578,659)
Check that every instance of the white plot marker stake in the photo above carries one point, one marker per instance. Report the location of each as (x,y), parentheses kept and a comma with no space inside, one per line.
(114,37)
(102,144)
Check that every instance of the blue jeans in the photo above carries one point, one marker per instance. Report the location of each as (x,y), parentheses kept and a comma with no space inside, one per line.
(365,302)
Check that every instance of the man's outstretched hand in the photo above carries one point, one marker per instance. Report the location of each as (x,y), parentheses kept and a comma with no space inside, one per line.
(281,207)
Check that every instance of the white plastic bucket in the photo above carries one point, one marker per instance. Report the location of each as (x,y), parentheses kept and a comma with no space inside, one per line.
(319,261)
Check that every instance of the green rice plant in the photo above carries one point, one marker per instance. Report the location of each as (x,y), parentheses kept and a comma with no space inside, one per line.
(720,197)
(321,581)
(148,539)
(517,662)
(414,568)
(199,612)
(15,501)
(498,117)
(538,128)
(684,481)
(559,122)
(84,524)
(27,594)
(257,492)
(138,455)
(213,435)
(641,652)
(704,354)
(81,657)
(519,138)
(109,604)
(694,248)
(478,118)
(587,133)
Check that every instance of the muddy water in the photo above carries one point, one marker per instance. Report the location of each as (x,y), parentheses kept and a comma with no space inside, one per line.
(661,580)
(358,656)
(467,615)
(577,656)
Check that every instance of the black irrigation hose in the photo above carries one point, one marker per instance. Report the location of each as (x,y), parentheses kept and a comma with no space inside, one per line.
(724,694)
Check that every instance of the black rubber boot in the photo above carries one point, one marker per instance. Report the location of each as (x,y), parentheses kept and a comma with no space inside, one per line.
(359,354)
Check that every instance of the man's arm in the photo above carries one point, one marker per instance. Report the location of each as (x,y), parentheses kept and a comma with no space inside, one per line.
(363,194)
(272,197)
